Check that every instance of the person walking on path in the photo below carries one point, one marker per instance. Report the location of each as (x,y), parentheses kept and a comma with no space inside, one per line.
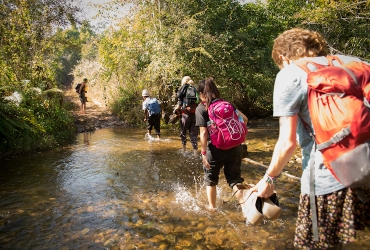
(152,113)
(82,96)
(186,106)
(338,208)
(214,158)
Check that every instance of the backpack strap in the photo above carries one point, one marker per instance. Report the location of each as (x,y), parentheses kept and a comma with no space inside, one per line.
(185,92)
(303,63)
(349,73)
(312,194)
(334,58)
(213,109)
(312,183)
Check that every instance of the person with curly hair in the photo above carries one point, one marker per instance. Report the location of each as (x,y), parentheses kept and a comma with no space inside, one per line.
(338,207)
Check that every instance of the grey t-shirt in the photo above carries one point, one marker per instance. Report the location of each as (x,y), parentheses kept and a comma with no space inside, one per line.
(290,98)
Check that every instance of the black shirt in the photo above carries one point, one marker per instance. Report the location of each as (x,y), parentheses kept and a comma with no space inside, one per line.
(201,116)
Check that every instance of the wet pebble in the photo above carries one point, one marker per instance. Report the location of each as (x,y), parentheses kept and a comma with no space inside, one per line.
(215,241)
(171,238)
(157,238)
(184,243)
(210,230)
(109,243)
(167,228)
(197,236)
(179,229)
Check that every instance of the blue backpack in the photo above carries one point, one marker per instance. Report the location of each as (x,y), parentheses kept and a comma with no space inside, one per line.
(153,106)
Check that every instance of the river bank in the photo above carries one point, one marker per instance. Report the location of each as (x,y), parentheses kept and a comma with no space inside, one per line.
(97,115)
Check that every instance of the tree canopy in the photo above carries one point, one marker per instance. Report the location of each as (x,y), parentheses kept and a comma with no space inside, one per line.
(43,44)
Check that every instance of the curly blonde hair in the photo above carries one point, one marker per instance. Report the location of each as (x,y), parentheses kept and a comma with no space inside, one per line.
(297,43)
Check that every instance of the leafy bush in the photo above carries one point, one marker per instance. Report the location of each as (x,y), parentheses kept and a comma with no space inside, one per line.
(38,122)
(129,107)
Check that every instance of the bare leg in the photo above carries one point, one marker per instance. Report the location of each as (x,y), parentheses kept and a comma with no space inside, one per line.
(211,194)
(195,152)
(184,148)
(83,105)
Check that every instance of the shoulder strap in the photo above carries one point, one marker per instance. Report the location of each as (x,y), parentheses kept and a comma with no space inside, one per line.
(315,229)
(350,73)
(186,90)
(303,63)
(334,58)
(213,108)
(181,92)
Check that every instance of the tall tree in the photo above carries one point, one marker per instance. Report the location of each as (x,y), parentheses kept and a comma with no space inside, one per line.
(27,48)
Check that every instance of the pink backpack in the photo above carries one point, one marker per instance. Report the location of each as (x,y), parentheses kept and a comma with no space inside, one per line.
(225,129)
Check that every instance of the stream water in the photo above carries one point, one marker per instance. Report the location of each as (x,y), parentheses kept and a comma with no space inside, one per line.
(117,189)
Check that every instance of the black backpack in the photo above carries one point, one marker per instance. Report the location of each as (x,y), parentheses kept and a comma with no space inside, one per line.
(191,99)
(78,88)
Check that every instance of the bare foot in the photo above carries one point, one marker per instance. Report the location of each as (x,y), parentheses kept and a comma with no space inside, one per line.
(211,209)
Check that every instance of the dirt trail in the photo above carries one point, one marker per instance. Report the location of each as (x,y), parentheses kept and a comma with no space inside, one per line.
(97,115)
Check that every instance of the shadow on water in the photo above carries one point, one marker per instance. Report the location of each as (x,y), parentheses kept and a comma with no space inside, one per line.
(116,189)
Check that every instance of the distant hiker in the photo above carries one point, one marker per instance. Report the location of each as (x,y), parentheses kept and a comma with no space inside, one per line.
(188,99)
(152,112)
(81,90)
(213,157)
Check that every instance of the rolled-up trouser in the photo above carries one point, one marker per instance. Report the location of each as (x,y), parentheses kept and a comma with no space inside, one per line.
(154,121)
(188,126)
(230,159)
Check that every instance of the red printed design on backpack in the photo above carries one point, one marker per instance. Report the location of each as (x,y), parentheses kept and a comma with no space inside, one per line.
(337,100)
(225,130)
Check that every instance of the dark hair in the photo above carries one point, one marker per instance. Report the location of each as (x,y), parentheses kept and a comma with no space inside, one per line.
(209,90)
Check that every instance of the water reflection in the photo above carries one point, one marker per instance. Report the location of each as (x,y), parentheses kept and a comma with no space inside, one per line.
(117,189)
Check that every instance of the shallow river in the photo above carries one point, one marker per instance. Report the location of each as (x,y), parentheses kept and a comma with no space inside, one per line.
(116,189)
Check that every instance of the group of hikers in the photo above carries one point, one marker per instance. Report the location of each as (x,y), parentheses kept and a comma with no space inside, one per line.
(335,180)
(313,90)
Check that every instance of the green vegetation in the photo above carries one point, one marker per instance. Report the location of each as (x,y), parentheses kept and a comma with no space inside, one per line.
(153,47)
(33,55)
(161,41)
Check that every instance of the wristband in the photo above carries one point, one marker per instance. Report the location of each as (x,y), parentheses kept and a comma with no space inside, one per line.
(271,179)
(203,152)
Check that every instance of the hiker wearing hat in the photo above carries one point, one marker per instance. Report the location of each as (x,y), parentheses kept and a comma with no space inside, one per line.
(188,99)
(81,94)
(152,112)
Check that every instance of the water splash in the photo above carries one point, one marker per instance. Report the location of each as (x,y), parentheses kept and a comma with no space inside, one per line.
(185,199)
(150,138)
